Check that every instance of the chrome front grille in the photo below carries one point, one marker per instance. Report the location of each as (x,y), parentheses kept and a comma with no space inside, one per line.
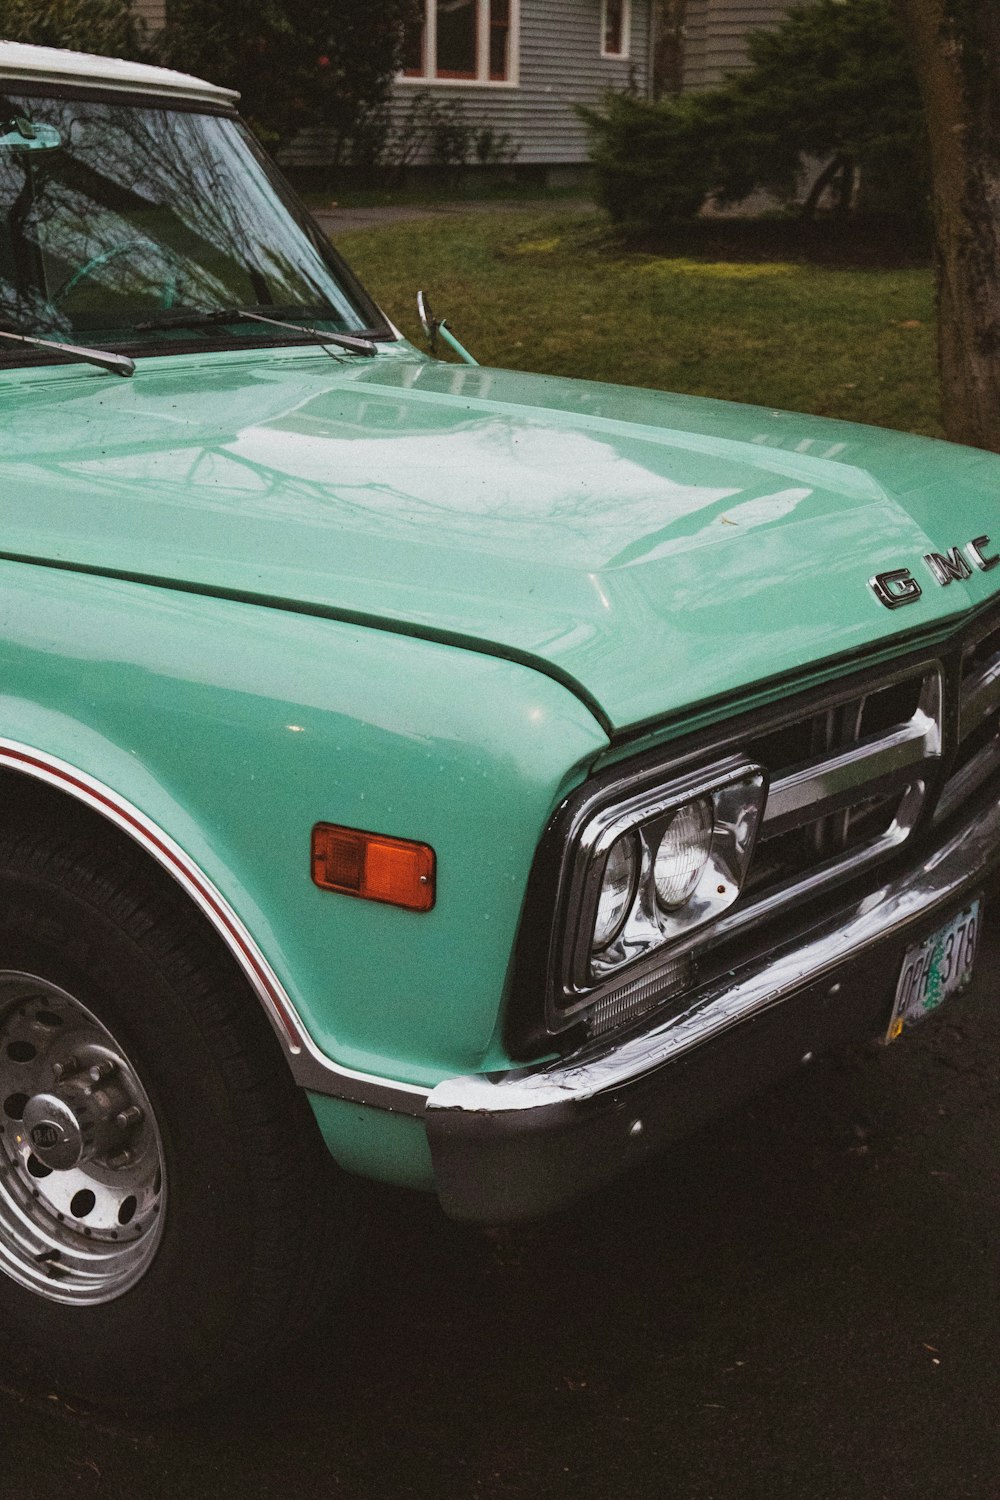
(978,754)
(848,781)
(859,771)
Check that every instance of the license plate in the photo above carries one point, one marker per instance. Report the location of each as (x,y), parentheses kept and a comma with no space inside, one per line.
(932,970)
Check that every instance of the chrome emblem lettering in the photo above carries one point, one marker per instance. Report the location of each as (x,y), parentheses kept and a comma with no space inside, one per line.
(975,551)
(948,567)
(898,586)
(895,588)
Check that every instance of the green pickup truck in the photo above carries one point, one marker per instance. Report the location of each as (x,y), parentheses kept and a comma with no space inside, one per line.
(409,770)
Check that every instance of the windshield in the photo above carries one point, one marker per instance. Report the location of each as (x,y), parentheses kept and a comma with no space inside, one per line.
(114,213)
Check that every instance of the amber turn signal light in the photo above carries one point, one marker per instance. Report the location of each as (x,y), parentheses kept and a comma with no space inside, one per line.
(373,866)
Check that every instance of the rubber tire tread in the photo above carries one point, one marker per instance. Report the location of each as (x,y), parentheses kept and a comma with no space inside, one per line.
(299,1237)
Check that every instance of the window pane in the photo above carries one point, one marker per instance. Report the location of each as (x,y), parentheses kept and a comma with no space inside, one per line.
(499,38)
(457,27)
(613,25)
(139,211)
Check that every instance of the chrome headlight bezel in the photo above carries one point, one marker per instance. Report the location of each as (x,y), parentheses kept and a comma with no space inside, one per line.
(736,789)
(874,735)
(870,740)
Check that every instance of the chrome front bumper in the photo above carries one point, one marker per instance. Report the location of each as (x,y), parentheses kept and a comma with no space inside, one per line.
(518,1144)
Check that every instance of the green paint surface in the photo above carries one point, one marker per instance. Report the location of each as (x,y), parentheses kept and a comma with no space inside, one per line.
(373,1143)
(256,590)
(648,550)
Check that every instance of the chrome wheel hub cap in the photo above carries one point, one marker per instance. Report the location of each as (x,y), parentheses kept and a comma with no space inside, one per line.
(82,1185)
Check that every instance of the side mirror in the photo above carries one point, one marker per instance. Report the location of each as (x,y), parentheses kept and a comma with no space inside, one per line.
(20,134)
(433,327)
(427,320)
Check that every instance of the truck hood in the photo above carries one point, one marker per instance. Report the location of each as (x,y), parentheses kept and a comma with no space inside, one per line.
(650,550)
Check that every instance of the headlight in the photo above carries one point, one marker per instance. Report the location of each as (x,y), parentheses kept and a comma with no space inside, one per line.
(667,861)
(617,890)
(683,853)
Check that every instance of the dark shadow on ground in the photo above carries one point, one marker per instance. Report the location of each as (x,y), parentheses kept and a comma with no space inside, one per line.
(852,243)
(801,1302)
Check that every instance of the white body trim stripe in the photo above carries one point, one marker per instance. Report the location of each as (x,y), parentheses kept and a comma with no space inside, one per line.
(310,1067)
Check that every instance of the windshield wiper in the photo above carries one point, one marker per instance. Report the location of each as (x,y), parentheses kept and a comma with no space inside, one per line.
(118,364)
(241,315)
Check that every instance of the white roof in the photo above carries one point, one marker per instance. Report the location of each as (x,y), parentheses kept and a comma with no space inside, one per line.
(58,66)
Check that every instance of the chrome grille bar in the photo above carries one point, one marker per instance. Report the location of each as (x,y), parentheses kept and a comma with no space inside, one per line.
(980,698)
(978,756)
(811,792)
(850,769)
(854,773)
(980,694)
(967,779)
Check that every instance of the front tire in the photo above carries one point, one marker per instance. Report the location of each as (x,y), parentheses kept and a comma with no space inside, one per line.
(169,1217)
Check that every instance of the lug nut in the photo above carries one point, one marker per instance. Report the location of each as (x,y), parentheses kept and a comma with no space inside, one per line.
(102,1070)
(128,1117)
(61,1069)
(120,1159)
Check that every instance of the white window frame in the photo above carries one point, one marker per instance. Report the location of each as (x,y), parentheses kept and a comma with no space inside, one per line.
(626,52)
(482,79)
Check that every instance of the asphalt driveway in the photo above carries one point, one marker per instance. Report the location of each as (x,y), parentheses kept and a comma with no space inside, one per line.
(802,1302)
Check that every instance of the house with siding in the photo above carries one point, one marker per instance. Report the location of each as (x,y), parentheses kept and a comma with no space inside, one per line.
(512,68)
(511,71)
(515,69)
(152,14)
(715,33)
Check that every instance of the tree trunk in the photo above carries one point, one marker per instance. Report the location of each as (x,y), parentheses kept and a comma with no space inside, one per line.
(956,52)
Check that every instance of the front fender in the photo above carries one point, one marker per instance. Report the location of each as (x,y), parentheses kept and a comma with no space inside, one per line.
(232,728)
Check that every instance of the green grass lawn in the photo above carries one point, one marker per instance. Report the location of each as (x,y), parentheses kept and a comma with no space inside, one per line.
(467,190)
(549,292)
